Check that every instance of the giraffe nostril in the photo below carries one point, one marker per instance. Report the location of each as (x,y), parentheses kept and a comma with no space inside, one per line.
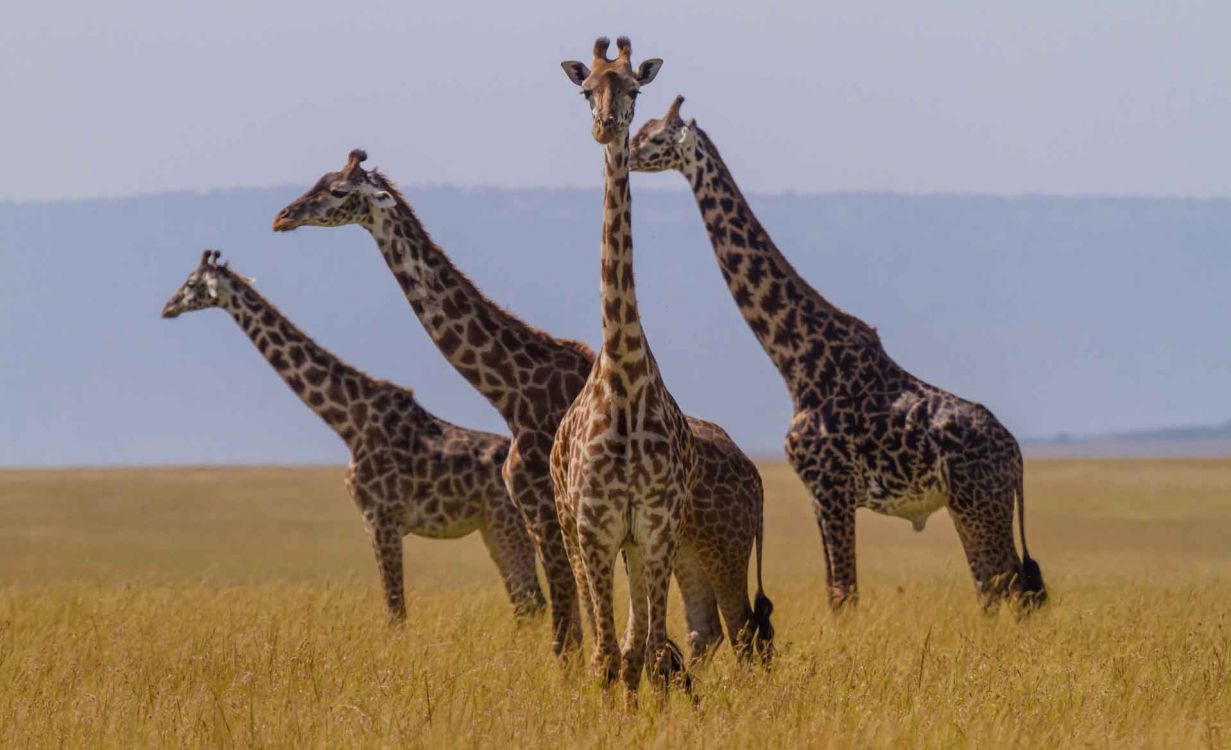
(282,221)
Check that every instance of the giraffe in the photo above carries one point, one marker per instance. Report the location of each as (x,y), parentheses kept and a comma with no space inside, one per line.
(624,459)
(410,472)
(531,378)
(865,432)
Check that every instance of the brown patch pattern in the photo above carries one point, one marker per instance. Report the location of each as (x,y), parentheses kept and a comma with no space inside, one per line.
(410,472)
(531,378)
(866,433)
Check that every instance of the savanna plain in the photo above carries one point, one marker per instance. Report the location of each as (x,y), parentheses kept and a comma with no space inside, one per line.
(241,607)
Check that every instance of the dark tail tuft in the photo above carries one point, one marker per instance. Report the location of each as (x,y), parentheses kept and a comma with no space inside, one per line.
(762,608)
(762,628)
(1033,590)
(1034,593)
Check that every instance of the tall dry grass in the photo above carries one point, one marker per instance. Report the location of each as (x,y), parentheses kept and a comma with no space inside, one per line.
(240,607)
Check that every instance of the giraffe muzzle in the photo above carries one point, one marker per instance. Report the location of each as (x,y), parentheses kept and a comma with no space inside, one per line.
(284,222)
(605,133)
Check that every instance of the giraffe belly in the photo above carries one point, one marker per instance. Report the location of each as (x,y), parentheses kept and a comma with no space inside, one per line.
(442,518)
(915,505)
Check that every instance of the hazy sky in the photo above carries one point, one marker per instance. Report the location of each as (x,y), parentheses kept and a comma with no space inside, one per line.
(1046,97)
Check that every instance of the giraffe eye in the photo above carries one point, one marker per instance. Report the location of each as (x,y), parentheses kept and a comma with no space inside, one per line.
(587,94)
(338,193)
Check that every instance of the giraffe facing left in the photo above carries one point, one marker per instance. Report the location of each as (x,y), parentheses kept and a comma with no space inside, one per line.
(531,378)
(410,471)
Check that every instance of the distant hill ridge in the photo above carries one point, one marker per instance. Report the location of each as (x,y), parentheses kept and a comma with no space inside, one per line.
(1193,440)
(1062,315)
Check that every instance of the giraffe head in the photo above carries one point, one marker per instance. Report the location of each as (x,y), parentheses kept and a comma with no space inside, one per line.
(349,196)
(209,285)
(666,143)
(611,87)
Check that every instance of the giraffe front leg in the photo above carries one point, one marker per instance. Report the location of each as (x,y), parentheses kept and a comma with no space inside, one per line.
(535,499)
(824,468)
(657,536)
(632,651)
(668,661)
(835,514)
(561,588)
(387,542)
(598,546)
(510,548)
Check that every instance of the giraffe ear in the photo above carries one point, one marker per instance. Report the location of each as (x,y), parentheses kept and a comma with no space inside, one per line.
(684,137)
(383,199)
(648,70)
(576,72)
(211,286)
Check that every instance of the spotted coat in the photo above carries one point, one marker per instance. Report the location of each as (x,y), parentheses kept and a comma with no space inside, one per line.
(410,472)
(531,378)
(865,433)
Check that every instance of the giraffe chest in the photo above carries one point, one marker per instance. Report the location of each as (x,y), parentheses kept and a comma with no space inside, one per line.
(636,463)
(629,453)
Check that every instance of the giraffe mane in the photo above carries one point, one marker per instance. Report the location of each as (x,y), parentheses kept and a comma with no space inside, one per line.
(855,322)
(249,286)
(387,185)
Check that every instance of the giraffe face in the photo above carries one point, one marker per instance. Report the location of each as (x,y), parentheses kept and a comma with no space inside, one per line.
(349,196)
(669,143)
(611,87)
(207,286)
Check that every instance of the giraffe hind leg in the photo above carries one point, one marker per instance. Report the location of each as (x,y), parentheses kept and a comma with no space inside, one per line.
(984,522)
(700,604)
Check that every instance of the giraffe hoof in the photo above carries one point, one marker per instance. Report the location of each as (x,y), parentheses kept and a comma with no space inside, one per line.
(607,669)
(529,612)
(843,601)
(1030,601)
(669,669)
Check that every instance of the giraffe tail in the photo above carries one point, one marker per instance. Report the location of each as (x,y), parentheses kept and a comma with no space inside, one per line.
(762,607)
(1032,575)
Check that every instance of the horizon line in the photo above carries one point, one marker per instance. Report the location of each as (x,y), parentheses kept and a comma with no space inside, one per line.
(490,187)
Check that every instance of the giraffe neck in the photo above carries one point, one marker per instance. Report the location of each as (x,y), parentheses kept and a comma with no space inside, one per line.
(337,392)
(479,338)
(625,353)
(807,337)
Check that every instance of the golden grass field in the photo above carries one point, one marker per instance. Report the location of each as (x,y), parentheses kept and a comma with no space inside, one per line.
(194,607)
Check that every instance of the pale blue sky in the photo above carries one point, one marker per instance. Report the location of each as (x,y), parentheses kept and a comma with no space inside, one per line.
(1049,97)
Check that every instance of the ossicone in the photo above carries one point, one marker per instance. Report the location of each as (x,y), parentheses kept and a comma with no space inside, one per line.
(600,48)
(625,46)
(673,112)
(354,159)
